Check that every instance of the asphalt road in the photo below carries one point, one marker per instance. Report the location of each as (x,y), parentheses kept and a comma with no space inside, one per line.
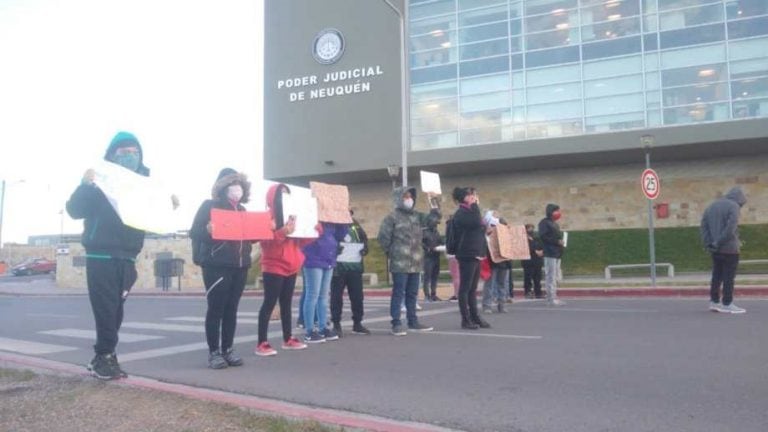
(9,278)
(593,365)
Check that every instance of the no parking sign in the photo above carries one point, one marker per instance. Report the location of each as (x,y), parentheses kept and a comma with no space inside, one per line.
(650,184)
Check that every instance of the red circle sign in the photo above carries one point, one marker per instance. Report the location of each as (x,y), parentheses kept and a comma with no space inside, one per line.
(650,183)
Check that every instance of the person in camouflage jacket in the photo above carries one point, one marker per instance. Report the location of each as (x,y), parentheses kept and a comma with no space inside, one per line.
(400,235)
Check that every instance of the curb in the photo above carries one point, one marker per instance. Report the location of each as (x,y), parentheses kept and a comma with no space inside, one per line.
(270,406)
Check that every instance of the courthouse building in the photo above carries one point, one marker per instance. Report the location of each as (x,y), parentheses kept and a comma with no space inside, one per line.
(530,101)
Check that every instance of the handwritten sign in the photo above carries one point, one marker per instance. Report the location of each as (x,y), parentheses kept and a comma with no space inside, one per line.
(332,202)
(430,182)
(241,225)
(301,204)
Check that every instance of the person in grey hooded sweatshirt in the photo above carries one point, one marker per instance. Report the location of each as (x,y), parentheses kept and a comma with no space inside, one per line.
(720,235)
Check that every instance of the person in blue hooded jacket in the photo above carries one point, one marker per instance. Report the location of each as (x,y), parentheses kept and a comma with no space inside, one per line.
(111,248)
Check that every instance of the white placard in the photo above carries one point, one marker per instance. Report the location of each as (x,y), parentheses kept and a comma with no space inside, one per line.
(141,202)
(303,205)
(565,239)
(430,182)
(350,252)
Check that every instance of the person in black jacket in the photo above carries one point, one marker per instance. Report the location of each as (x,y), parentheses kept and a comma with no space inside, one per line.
(430,242)
(532,267)
(225,265)
(471,247)
(552,240)
(110,252)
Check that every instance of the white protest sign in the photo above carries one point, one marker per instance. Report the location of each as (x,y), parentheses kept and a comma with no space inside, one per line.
(430,182)
(350,252)
(301,204)
(141,202)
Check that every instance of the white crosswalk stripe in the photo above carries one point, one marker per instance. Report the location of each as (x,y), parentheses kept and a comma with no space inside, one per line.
(202,319)
(164,327)
(91,335)
(27,347)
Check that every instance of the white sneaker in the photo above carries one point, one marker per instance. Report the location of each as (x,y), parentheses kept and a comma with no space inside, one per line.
(418,306)
(556,302)
(714,306)
(732,308)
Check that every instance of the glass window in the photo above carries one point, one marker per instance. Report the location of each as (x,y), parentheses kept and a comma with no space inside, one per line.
(434,124)
(554,128)
(651,61)
(485,102)
(748,49)
(517,62)
(518,98)
(552,56)
(692,36)
(554,111)
(518,80)
(612,86)
(693,56)
(691,17)
(696,113)
(516,43)
(707,92)
(677,4)
(551,75)
(484,135)
(488,118)
(615,122)
(484,49)
(693,75)
(473,4)
(560,20)
(436,39)
(748,28)
(433,91)
(483,32)
(483,67)
(654,118)
(651,23)
(611,48)
(614,104)
(433,57)
(437,73)
(433,108)
(439,140)
(439,7)
(433,25)
(483,16)
(552,39)
(750,88)
(484,84)
(553,93)
(746,8)
(515,27)
(749,68)
(611,29)
(750,108)
(535,7)
(652,81)
(609,11)
(650,42)
(612,67)
(649,6)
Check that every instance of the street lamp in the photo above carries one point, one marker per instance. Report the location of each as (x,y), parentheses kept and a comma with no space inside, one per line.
(394,173)
(647,141)
(2,208)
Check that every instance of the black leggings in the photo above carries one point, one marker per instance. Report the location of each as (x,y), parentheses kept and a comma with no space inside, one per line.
(276,287)
(223,289)
(107,280)
(469,275)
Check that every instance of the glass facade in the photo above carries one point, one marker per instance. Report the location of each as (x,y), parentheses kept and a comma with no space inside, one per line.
(487,71)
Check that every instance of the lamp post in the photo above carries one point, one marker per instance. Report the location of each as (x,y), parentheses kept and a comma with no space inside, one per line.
(404,80)
(2,207)
(647,141)
(394,172)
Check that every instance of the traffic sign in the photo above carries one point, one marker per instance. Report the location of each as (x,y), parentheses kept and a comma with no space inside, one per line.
(651,184)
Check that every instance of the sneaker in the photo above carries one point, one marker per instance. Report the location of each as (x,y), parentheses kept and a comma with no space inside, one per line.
(329,334)
(403,309)
(509,300)
(436,298)
(104,367)
(418,307)
(539,296)
(469,325)
(399,330)
(300,324)
(556,302)
(360,329)
(314,338)
(481,323)
(419,327)
(487,310)
(714,306)
(294,344)
(337,329)
(264,349)
(119,369)
(216,360)
(732,308)
(500,307)
(453,299)
(529,295)
(231,358)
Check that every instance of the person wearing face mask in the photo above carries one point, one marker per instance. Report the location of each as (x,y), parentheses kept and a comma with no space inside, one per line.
(532,267)
(225,265)
(400,236)
(496,287)
(110,251)
(552,240)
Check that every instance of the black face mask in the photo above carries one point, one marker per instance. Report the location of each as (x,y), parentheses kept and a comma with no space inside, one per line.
(530,232)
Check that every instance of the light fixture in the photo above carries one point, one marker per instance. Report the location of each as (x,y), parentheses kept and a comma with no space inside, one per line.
(562,26)
(433,106)
(612,3)
(329,162)
(558,11)
(437,33)
(445,44)
(393,171)
(614,17)
(706,72)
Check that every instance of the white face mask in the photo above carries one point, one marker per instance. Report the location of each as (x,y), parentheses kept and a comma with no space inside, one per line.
(235,192)
(408,203)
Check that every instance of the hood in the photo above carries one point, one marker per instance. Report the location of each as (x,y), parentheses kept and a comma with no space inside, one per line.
(122,139)
(226,177)
(397,197)
(275,202)
(551,208)
(737,195)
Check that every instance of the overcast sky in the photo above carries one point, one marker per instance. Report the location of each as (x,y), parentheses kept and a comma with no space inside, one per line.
(185,76)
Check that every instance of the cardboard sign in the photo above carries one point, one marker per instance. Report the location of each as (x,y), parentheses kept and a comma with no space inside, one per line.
(430,182)
(332,202)
(241,225)
(518,238)
(301,204)
(508,243)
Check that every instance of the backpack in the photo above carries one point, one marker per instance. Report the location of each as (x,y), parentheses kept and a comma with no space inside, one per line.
(451,241)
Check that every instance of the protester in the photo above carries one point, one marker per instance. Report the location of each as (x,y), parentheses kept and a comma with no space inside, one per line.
(496,287)
(453,265)
(532,267)
(349,274)
(225,265)
(471,248)
(552,239)
(110,253)
(720,235)
(431,244)
(400,236)
(281,259)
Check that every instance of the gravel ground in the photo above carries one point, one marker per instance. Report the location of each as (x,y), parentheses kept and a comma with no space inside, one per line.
(31,402)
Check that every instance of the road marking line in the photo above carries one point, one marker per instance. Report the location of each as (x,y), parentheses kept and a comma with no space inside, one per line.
(27,347)
(165,327)
(568,309)
(91,334)
(49,315)
(491,335)
(202,319)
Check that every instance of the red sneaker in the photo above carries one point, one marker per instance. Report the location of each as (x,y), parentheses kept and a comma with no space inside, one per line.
(264,349)
(293,344)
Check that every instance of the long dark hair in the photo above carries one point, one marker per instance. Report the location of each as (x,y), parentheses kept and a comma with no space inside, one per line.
(277,210)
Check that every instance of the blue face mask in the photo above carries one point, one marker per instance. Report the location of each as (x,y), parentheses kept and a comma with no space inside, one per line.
(128,160)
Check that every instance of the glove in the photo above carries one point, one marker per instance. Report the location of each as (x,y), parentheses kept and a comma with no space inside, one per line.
(712,248)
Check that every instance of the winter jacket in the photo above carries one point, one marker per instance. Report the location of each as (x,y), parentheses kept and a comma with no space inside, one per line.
(534,244)
(356,234)
(720,223)
(550,234)
(322,252)
(207,252)
(401,234)
(282,255)
(104,234)
(470,230)
(431,239)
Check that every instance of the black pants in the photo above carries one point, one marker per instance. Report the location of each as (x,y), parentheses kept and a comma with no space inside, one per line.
(430,275)
(223,288)
(469,275)
(108,280)
(532,277)
(276,287)
(353,281)
(723,273)
(511,280)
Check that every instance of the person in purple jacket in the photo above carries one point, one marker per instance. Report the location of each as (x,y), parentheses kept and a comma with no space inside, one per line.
(319,262)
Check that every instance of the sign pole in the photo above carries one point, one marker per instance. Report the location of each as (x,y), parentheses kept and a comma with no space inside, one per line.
(651,242)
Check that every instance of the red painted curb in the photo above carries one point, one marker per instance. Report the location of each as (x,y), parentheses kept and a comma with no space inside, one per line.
(285,409)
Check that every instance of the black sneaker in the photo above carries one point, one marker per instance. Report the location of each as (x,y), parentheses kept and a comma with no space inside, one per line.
(119,369)
(453,299)
(216,360)
(359,329)
(435,298)
(231,358)
(104,367)
(337,329)
(419,327)
(481,323)
(469,325)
